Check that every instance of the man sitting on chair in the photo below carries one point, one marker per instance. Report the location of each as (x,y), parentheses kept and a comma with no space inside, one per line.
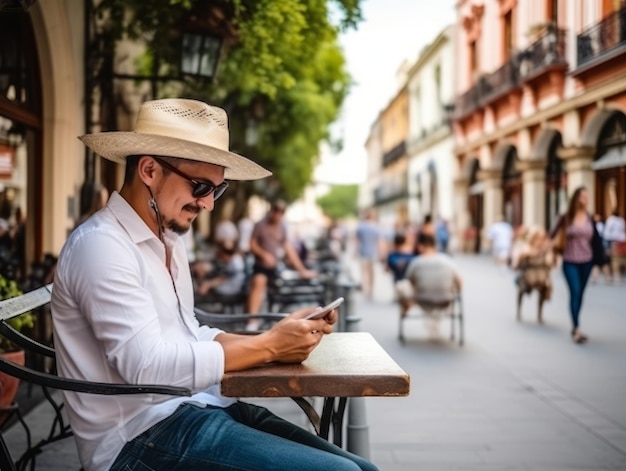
(433,282)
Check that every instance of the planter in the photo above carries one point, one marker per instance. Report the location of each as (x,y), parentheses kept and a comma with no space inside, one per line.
(9,384)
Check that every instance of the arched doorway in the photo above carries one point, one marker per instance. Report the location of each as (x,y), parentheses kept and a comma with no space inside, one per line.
(556,183)
(20,140)
(610,166)
(512,189)
(475,205)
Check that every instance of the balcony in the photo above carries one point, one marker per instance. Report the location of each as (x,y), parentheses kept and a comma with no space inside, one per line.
(488,88)
(500,82)
(546,53)
(391,190)
(604,40)
(467,102)
(394,154)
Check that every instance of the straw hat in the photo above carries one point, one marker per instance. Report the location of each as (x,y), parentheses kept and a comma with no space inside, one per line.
(175,127)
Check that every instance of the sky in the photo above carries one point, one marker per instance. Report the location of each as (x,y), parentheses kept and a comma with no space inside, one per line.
(391,31)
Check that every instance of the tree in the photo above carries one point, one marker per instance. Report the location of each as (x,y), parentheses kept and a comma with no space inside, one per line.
(340,202)
(282,75)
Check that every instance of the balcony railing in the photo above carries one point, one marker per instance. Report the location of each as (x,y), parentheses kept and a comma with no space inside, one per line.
(395,189)
(394,154)
(603,37)
(488,88)
(503,80)
(548,50)
(467,102)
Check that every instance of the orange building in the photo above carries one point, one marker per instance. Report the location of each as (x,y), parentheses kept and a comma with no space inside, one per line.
(540,109)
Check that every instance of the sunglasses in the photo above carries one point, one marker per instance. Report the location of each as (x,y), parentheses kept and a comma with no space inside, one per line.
(198,189)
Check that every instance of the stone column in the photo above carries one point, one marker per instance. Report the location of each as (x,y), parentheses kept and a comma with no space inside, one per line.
(534,189)
(579,172)
(460,215)
(493,205)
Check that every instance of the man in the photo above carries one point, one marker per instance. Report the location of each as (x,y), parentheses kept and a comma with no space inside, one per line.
(270,245)
(500,234)
(370,249)
(434,280)
(122,308)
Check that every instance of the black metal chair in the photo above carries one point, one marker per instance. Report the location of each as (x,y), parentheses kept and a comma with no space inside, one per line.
(34,301)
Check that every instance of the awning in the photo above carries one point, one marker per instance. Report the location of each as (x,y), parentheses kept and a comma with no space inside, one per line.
(614,157)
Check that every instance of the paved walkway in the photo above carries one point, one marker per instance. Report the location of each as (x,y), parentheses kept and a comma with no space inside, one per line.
(517,396)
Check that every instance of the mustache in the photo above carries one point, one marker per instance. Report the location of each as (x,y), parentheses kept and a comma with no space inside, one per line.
(192,208)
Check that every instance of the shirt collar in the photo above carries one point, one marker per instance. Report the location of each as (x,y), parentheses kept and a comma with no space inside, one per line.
(136,228)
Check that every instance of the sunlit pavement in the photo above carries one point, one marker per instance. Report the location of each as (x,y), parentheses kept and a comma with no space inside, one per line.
(517,396)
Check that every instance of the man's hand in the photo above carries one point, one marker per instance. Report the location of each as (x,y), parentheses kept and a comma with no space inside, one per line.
(289,341)
(269,260)
(294,338)
(307,274)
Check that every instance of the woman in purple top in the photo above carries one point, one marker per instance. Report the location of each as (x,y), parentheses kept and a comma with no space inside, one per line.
(578,253)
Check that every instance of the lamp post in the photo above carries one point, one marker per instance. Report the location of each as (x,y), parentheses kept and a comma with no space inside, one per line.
(200,54)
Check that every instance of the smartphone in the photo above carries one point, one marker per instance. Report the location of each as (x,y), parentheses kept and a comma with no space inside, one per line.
(322,311)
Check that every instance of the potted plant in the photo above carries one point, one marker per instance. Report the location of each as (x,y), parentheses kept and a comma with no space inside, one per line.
(8,349)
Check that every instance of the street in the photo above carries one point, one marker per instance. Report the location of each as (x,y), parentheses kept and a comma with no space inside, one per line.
(517,396)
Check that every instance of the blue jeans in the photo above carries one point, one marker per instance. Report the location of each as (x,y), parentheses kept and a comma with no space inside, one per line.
(576,276)
(237,438)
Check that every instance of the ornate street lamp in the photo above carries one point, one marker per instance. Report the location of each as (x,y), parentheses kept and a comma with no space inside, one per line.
(200,55)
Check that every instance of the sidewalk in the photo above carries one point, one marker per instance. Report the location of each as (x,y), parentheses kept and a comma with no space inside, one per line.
(517,396)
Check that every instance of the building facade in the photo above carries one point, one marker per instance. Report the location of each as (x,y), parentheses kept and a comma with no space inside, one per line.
(386,186)
(430,144)
(41,114)
(540,110)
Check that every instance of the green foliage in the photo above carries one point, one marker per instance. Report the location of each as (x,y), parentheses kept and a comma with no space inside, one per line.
(282,70)
(340,201)
(9,289)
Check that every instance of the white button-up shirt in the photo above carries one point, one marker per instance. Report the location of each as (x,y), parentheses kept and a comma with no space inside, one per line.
(119,316)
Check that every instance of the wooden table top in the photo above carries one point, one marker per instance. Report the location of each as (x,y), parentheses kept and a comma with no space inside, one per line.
(350,364)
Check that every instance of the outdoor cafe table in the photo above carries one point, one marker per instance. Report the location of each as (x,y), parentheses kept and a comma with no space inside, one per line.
(345,364)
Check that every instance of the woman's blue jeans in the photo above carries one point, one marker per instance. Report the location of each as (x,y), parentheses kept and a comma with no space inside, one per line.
(576,276)
(237,438)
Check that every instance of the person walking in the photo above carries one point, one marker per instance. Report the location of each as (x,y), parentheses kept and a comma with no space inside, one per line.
(615,235)
(369,239)
(576,235)
(500,234)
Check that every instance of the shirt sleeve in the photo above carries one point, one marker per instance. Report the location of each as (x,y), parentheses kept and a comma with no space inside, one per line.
(137,328)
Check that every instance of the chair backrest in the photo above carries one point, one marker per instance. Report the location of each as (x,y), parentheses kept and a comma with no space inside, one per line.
(33,301)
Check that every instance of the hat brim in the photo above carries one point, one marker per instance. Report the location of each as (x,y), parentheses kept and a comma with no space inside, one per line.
(117,145)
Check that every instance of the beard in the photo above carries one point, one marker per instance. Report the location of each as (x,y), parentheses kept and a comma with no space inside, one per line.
(178,228)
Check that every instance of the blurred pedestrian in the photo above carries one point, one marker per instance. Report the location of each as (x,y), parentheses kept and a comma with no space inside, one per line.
(93,197)
(604,267)
(226,232)
(398,258)
(370,249)
(434,282)
(427,227)
(270,245)
(227,275)
(534,261)
(245,226)
(615,235)
(500,233)
(442,235)
(582,245)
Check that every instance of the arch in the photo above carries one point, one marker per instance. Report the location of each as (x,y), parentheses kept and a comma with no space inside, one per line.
(544,144)
(470,170)
(501,154)
(593,128)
